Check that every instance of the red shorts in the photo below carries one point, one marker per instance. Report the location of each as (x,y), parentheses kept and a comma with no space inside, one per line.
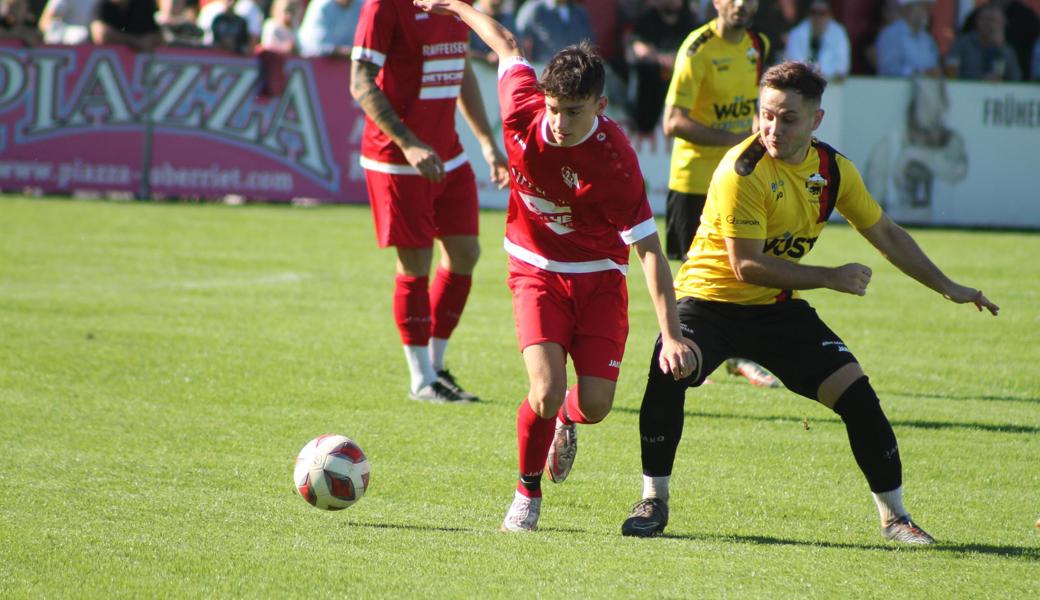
(586,313)
(410,210)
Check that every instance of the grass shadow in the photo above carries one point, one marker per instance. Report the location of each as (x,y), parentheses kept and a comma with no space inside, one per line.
(433,528)
(912,423)
(945,396)
(955,548)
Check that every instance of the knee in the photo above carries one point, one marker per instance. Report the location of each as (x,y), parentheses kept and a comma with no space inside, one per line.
(546,398)
(858,400)
(596,407)
(462,256)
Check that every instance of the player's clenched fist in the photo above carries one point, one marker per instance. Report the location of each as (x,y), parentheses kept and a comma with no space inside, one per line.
(852,278)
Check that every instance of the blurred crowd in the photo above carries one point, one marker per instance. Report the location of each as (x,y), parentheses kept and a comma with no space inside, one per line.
(992,40)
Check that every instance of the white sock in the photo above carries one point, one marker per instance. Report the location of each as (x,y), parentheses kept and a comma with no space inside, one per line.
(656,487)
(419,367)
(438,346)
(890,505)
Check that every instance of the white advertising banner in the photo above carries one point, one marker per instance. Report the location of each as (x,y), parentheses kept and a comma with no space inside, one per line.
(933,152)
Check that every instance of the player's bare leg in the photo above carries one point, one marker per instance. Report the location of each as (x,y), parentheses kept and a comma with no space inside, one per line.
(448,294)
(412,314)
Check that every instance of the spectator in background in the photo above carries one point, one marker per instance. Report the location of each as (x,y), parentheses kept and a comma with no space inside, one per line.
(328,27)
(1022,29)
(67,21)
(822,41)
(656,35)
(17,23)
(496,9)
(230,31)
(906,47)
(247,9)
(176,19)
(279,34)
(547,26)
(128,23)
(984,53)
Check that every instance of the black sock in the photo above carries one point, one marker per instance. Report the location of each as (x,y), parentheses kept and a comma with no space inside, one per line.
(870,435)
(660,419)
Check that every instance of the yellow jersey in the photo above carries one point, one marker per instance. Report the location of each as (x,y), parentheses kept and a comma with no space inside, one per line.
(754,196)
(717,83)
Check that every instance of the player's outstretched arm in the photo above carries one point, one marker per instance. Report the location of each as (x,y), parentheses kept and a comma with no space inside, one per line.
(751,265)
(902,251)
(501,41)
(677,357)
(378,108)
(471,105)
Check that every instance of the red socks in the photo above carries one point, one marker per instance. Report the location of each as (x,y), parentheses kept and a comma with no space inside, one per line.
(412,309)
(534,435)
(573,412)
(448,296)
(421,310)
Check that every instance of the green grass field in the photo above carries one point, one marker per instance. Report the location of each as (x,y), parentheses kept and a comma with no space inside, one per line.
(162,364)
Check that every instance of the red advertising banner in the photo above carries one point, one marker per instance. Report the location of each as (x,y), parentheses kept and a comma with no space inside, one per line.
(178,122)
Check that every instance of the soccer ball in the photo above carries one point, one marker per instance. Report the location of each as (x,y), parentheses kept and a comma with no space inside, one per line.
(331,472)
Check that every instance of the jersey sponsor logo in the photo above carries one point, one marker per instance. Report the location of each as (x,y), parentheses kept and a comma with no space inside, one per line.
(520,141)
(444,48)
(734,110)
(522,179)
(733,220)
(721,64)
(556,217)
(614,363)
(795,247)
(815,184)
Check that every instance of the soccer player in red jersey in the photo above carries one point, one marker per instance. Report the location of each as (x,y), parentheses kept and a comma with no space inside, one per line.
(577,201)
(409,69)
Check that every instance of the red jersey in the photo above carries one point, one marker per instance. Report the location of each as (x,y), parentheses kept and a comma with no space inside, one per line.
(423,57)
(572,209)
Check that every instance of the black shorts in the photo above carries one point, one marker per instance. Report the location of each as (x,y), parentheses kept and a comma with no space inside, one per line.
(682,216)
(788,338)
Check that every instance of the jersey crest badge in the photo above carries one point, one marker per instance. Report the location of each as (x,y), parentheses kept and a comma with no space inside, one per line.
(570,178)
(752,56)
(815,184)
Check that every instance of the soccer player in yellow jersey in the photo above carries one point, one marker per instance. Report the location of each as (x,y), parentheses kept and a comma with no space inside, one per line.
(710,107)
(768,203)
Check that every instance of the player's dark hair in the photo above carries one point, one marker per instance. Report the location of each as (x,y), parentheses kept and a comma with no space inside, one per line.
(796,76)
(576,72)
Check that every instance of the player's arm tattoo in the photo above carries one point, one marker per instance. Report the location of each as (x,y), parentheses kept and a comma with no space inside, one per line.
(375,104)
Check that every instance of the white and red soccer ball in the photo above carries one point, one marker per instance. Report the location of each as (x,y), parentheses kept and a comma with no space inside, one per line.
(331,472)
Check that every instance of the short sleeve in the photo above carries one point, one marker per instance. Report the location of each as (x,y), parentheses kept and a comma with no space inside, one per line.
(519,97)
(375,32)
(739,205)
(854,201)
(686,80)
